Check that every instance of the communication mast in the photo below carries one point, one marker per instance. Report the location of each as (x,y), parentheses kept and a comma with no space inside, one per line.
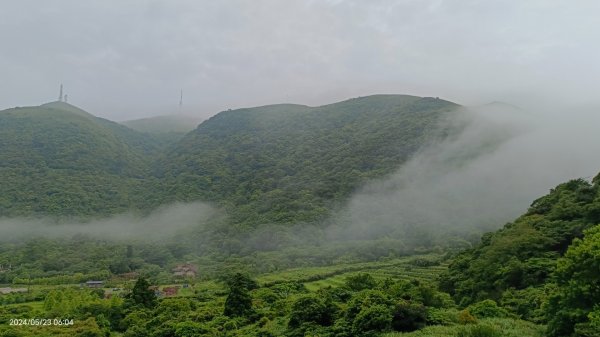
(181,100)
(60,96)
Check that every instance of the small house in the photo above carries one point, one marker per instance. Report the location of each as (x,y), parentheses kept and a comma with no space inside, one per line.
(170,291)
(94,284)
(185,270)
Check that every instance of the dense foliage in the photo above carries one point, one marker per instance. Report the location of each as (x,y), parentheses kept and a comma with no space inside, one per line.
(281,168)
(575,307)
(239,301)
(280,163)
(58,160)
(277,170)
(142,295)
(292,163)
(542,267)
(239,306)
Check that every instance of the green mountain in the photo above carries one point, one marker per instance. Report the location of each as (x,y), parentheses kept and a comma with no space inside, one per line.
(166,130)
(58,159)
(538,266)
(273,164)
(293,163)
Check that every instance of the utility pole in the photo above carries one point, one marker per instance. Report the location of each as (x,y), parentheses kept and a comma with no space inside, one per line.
(60,96)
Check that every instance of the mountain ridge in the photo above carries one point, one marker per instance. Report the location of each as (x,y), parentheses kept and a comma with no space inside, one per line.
(277,163)
(290,156)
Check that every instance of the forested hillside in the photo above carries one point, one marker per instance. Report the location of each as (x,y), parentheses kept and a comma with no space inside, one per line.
(56,159)
(272,164)
(544,266)
(293,163)
(278,171)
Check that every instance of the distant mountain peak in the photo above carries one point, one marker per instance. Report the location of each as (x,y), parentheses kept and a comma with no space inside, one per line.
(164,124)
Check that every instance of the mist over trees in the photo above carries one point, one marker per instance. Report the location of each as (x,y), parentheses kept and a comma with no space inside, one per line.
(306,184)
(266,189)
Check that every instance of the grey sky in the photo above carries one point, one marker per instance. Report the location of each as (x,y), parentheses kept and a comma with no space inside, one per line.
(127,59)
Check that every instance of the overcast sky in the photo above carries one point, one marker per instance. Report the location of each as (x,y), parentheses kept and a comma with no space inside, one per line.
(127,59)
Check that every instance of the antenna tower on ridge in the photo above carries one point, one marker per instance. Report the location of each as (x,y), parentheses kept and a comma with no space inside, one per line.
(181,100)
(60,96)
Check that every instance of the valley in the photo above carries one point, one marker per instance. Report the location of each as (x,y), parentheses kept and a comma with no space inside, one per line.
(245,226)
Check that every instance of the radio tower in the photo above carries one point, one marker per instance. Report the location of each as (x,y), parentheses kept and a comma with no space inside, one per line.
(181,101)
(60,96)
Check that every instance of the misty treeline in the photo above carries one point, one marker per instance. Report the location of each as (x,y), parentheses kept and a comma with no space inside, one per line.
(273,164)
(287,185)
(543,268)
(270,178)
(268,189)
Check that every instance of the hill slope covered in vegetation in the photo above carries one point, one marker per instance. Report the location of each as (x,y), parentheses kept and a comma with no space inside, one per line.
(57,159)
(272,164)
(293,163)
(544,266)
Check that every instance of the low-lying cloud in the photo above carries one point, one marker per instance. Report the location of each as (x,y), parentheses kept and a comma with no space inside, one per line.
(162,223)
(477,181)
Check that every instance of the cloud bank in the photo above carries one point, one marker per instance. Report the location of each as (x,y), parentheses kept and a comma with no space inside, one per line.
(127,59)
(478,180)
(163,223)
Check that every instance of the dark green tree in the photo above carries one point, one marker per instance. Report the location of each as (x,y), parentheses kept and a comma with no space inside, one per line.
(310,309)
(141,294)
(372,320)
(361,281)
(575,306)
(239,301)
(129,253)
(409,316)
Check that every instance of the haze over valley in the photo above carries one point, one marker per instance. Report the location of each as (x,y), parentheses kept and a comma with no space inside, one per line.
(331,168)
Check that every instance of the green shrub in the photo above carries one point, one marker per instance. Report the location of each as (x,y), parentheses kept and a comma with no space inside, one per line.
(361,281)
(371,320)
(479,330)
(574,305)
(310,309)
(365,299)
(487,309)
(423,262)
(465,317)
(192,329)
(409,316)
(437,316)
(526,303)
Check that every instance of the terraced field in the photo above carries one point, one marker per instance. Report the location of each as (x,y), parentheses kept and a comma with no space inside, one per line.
(334,276)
